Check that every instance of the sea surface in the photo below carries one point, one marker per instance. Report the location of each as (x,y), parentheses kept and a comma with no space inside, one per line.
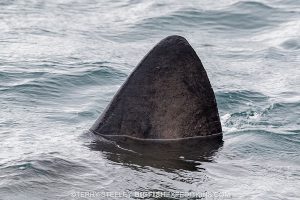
(62,61)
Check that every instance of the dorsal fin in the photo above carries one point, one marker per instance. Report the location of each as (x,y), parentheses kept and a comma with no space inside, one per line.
(167,96)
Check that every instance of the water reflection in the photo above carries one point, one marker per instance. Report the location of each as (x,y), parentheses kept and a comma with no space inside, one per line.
(174,155)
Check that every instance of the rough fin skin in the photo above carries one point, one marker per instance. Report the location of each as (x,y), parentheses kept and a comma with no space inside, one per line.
(167,96)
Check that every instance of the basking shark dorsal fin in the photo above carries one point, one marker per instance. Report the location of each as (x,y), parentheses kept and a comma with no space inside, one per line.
(167,96)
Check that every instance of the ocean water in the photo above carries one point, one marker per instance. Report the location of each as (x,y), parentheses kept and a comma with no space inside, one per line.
(62,61)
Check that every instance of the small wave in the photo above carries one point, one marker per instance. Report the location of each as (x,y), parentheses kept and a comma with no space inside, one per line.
(232,100)
(38,175)
(252,5)
(49,167)
(55,84)
(291,44)
(285,35)
(242,16)
(260,143)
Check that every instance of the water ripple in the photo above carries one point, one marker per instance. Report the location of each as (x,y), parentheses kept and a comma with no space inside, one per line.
(61,62)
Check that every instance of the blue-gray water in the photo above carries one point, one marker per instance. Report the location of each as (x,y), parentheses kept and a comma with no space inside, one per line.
(62,61)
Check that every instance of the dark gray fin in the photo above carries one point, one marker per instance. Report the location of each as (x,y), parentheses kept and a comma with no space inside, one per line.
(167,96)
